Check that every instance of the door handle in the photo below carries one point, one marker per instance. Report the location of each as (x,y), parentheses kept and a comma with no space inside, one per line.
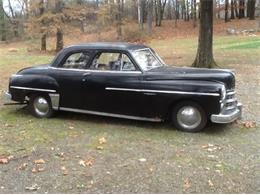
(86,74)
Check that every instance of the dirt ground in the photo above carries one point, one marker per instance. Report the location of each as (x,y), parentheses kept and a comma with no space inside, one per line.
(74,153)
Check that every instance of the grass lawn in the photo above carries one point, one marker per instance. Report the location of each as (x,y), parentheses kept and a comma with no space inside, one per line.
(138,156)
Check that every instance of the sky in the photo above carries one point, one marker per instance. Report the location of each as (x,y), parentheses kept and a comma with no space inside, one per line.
(15,5)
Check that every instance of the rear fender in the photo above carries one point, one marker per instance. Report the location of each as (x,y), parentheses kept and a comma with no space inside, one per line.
(22,86)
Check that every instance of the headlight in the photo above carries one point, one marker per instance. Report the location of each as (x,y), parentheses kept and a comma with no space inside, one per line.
(223,92)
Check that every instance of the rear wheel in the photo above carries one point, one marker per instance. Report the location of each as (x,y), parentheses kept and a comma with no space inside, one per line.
(189,116)
(40,106)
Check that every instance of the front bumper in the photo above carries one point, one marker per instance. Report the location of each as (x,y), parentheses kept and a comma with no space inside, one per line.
(227,117)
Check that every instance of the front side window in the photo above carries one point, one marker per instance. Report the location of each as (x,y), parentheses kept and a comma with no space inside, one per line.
(146,59)
(77,60)
(112,62)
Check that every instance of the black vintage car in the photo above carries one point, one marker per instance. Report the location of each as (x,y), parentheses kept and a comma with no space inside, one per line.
(127,81)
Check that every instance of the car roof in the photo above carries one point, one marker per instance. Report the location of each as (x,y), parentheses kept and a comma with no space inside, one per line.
(107,46)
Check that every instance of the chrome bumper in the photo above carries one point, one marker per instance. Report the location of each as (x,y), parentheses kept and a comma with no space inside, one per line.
(7,98)
(227,117)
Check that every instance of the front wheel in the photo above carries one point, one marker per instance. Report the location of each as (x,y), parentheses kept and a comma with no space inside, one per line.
(40,106)
(189,117)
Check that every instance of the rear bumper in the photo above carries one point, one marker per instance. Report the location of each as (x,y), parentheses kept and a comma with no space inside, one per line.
(8,98)
(227,117)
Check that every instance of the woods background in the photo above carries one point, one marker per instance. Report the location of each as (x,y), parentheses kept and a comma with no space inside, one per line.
(42,19)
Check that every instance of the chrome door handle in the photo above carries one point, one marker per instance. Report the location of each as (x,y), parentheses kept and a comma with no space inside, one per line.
(86,74)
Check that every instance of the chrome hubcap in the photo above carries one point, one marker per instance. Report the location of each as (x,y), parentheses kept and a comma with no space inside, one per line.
(189,117)
(41,106)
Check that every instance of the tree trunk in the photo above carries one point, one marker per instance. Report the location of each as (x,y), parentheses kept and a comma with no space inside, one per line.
(119,20)
(44,36)
(59,32)
(226,10)
(251,9)
(187,11)
(218,9)
(232,10)
(162,11)
(2,22)
(150,17)
(236,7)
(241,9)
(158,12)
(59,39)
(204,56)
(214,9)
(140,14)
(195,13)
(44,42)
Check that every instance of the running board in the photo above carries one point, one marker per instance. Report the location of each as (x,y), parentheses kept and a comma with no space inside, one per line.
(111,115)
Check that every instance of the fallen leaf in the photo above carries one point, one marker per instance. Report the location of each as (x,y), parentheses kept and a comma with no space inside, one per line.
(65,173)
(205,146)
(23,166)
(38,169)
(34,187)
(100,148)
(212,156)
(102,140)
(249,124)
(88,162)
(4,161)
(10,157)
(8,125)
(40,161)
(210,183)
(218,165)
(187,184)
(142,160)
(41,169)
(63,168)
(82,163)
(34,170)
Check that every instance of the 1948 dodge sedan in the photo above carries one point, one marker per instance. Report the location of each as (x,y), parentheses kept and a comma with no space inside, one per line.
(127,81)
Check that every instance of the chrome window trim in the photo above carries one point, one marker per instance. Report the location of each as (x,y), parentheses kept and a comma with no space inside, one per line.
(97,71)
(149,49)
(33,89)
(161,91)
(111,115)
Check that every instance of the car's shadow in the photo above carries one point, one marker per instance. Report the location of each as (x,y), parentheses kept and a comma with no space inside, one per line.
(211,129)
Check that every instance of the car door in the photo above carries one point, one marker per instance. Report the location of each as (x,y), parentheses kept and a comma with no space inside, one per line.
(69,74)
(107,86)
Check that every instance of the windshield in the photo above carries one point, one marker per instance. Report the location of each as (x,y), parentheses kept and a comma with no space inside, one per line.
(147,59)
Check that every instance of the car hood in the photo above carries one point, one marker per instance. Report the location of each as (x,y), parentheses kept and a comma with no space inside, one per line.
(176,73)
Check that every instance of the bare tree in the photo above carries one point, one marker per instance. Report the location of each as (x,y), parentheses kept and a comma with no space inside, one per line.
(251,9)
(159,11)
(204,57)
(241,9)
(2,22)
(141,7)
(59,33)
(150,17)
(119,19)
(194,13)
(226,10)
(232,10)
(43,33)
